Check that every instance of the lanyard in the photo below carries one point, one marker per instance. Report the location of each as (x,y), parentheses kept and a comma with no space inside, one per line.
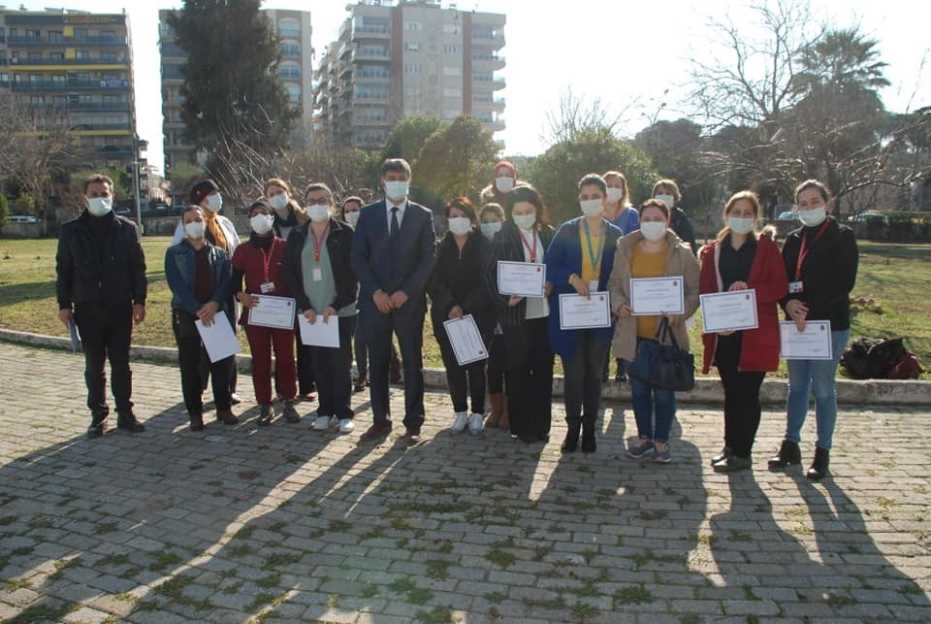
(592,256)
(318,242)
(803,252)
(533,251)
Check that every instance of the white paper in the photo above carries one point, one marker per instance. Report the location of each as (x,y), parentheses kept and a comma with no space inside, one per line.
(578,312)
(219,339)
(521,279)
(729,311)
(812,344)
(319,334)
(274,312)
(465,340)
(75,335)
(656,296)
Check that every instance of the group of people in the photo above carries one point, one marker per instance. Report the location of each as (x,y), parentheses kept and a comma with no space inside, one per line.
(371,269)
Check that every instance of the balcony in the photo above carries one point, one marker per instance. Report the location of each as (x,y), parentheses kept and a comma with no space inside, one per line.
(171,50)
(113,152)
(362,54)
(497,84)
(23,41)
(53,85)
(79,62)
(489,62)
(85,107)
(376,77)
(371,32)
(370,98)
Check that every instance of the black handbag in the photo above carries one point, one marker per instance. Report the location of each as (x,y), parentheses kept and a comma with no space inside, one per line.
(672,368)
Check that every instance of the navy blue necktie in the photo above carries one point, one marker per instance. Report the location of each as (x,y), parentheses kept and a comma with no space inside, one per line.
(395,226)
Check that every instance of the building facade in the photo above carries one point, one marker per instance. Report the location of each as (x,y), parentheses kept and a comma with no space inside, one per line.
(295,70)
(74,67)
(413,57)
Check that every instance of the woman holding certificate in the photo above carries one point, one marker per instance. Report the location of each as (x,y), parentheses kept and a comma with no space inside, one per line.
(578,264)
(319,275)
(198,274)
(522,310)
(821,260)
(456,291)
(256,275)
(666,274)
(742,261)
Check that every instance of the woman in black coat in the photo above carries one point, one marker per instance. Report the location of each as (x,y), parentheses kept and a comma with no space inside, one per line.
(456,289)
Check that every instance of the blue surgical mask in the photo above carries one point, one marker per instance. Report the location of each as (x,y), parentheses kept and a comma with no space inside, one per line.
(525,222)
(741,225)
(813,217)
(491,228)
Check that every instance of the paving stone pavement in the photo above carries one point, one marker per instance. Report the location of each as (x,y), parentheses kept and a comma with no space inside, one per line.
(284,524)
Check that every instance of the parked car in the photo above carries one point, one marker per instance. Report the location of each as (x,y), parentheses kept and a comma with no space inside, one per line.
(787,215)
(22,219)
(870,216)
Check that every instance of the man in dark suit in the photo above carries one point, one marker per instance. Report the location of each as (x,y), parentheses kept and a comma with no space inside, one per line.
(392,255)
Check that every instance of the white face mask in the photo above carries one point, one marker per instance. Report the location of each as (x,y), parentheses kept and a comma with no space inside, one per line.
(525,222)
(99,206)
(280,203)
(194,230)
(669,200)
(741,225)
(214,202)
(396,190)
(460,225)
(491,228)
(813,217)
(653,230)
(352,218)
(615,195)
(504,184)
(318,213)
(592,207)
(261,224)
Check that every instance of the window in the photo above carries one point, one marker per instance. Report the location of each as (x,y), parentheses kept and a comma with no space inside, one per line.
(452,71)
(413,26)
(451,29)
(452,92)
(289,27)
(294,92)
(451,49)
(289,69)
(412,46)
(290,49)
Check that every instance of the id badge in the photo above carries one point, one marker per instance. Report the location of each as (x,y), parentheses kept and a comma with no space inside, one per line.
(267,287)
(318,275)
(796,287)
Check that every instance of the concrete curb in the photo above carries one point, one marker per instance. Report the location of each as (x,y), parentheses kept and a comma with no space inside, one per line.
(707,389)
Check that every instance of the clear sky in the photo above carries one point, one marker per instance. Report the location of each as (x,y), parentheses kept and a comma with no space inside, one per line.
(618,51)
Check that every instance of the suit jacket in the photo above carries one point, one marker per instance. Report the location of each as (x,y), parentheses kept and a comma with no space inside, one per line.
(404,265)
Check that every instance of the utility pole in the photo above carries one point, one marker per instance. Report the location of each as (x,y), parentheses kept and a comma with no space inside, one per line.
(135,173)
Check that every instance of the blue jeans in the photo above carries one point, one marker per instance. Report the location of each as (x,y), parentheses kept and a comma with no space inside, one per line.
(654,408)
(818,376)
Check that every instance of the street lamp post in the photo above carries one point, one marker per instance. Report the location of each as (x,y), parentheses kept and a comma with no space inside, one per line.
(135,172)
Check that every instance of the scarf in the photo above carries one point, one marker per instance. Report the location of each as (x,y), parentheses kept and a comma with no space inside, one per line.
(215,231)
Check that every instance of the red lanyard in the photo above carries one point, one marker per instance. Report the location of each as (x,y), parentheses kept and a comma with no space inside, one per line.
(533,252)
(318,242)
(803,252)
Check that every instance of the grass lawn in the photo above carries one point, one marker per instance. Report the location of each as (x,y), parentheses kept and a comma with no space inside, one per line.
(897,277)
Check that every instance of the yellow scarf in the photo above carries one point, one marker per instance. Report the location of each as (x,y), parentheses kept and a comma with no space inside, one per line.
(214,231)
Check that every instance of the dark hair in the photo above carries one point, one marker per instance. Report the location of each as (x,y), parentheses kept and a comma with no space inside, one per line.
(671,185)
(97,178)
(190,208)
(655,203)
(465,205)
(593,179)
(813,184)
(491,207)
(201,189)
(318,186)
(397,165)
(259,203)
(527,193)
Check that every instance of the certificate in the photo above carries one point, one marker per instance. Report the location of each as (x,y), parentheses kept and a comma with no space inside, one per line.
(219,339)
(274,312)
(465,340)
(320,334)
(729,311)
(521,279)
(656,296)
(578,312)
(812,344)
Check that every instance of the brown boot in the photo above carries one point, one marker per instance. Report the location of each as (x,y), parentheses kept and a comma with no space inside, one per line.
(496,401)
(226,417)
(504,422)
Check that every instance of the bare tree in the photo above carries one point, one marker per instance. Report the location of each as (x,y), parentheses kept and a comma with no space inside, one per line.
(574,116)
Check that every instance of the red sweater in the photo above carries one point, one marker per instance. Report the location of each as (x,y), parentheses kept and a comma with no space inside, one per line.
(759,350)
(259,267)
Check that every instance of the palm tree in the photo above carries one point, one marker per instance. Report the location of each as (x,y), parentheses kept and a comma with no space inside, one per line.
(840,61)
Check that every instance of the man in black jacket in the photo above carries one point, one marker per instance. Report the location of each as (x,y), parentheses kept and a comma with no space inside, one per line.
(101,287)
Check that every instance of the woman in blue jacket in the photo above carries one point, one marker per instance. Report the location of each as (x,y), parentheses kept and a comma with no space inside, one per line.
(579,261)
(200,277)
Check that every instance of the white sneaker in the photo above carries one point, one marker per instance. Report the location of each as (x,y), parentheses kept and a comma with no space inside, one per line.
(322,423)
(460,422)
(334,422)
(476,424)
(346,425)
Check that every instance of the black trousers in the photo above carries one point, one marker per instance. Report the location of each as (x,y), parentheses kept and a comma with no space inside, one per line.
(361,350)
(333,372)
(530,384)
(191,353)
(464,382)
(204,365)
(305,366)
(407,324)
(497,364)
(583,378)
(741,397)
(106,331)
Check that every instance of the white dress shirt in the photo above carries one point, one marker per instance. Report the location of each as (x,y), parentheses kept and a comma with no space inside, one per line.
(401,208)
(537,307)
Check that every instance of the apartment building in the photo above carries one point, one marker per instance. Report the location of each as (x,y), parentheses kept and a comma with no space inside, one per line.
(405,58)
(295,70)
(76,66)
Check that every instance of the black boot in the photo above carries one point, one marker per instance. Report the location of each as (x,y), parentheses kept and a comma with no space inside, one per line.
(571,443)
(819,467)
(96,428)
(724,454)
(128,422)
(197,422)
(588,437)
(789,455)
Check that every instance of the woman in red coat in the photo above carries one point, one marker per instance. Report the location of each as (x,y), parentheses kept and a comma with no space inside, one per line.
(742,259)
